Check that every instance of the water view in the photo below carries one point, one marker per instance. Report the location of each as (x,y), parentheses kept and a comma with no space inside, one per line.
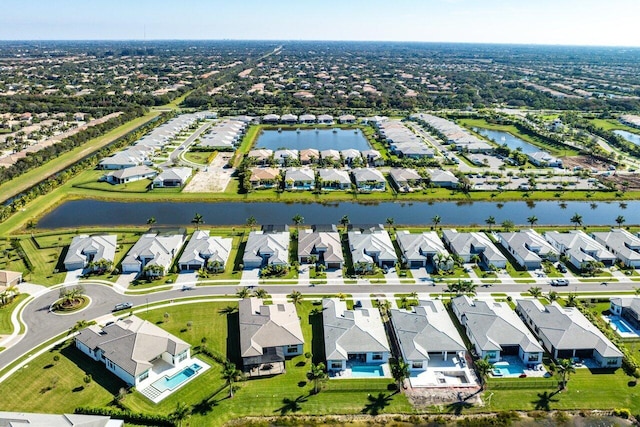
(629,136)
(74,213)
(513,142)
(320,139)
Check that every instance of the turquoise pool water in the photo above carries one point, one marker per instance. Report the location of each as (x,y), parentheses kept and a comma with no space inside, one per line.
(507,370)
(169,383)
(367,371)
(620,325)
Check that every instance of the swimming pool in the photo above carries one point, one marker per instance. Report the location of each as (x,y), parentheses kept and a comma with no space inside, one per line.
(367,371)
(169,383)
(621,326)
(507,370)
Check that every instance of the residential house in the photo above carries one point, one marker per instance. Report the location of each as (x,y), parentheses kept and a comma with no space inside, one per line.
(307,118)
(624,245)
(309,155)
(270,118)
(628,308)
(264,178)
(261,156)
(325,119)
(16,419)
(133,349)
(347,119)
(172,178)
(330,154)
(349,155)
(566,333)
(10,278)
(371,246)
(495,330)
(528,248)
(334,179)
(579,248)
(154,252)
(269,246)
(420,249)
(133,156)
(544,159)
(373,158)
(268,335)
(284,157)
(205,251)
(369,179)
(85,249)
(289,119)
(426,335)
(443,178)
(299,179)
(352,337)
(132,174)
(469,245)
(405,180)
(323,243)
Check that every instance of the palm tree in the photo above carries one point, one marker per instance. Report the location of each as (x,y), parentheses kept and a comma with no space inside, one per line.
(532,220)
(572,300)
(436,220)
(484,367)
(475,259)
(297,220)
(243,293)
(345,221)
(507,225)
(576,219)
(180,414)
(535,291)
(490,221)
(296,297)
(151,220)
(251,221)
(390,221)
(399,370)
(261,293)
(620,220)
(230,309)
(552,296)
(318,375)
(565,368)
(197,220)
(231,374)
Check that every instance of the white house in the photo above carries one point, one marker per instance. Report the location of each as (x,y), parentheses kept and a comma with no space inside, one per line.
(266,247)
(369,179)
(579,248)
(352,337)
(132,174)
(528,248)
(153,249)
(204,250)
(334,179)
(420,249)
(624,245)
(299,179)
(443,178)
(628,308)
(371,246)
(323,243)
(468,245)
(172,177)
(85,249)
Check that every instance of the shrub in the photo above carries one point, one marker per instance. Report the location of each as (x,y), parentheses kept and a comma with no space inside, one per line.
(622,413)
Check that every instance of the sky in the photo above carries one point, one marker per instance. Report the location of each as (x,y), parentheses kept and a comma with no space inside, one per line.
(554,22)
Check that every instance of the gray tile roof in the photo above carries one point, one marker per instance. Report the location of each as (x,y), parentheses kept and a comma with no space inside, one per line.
(495,324)
(16,419)
(351,331)
(367,174)
(132,343)
(418,246)
(264,326)
(428,329)
(365,244)
(528,244)
(579,245)
(566,328)
(622,243)
(311,242)
(260,243)
(468,244)
(334,175)
(202,246)
(161,249)
(99,247)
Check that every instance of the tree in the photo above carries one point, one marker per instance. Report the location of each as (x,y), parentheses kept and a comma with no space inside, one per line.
(484,367)
(475,258)
(231,374)
(436,220)
(197,220)
(390,221)
(553,295)
(620,220)
(180,414)
(251,221)
(565,368)
(261,293)
(243,293)
(345,221)
(576,219)
(399,371)
(532,220)
(297,220)
(296,297)
(317,375)
(507,225)
(572,300)
(151,220)
(490,221)
(535,291)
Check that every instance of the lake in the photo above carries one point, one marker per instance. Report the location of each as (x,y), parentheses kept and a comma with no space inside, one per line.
(513,142)
(629,136)
(81,213)
(320,139)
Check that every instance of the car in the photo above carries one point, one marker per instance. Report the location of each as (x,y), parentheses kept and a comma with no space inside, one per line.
(559,282)
(358,304)
(562,268)
(122,306)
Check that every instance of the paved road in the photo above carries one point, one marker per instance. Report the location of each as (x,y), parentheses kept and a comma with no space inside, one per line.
(44,325)
(175,154)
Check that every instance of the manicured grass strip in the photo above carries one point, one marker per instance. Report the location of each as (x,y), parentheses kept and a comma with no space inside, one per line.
(6,327)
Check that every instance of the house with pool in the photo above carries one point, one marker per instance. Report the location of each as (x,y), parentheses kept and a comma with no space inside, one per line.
(568,334)
(431,345)
(355,342)
(142,355)
(496,331)
(269,334)
(627,308)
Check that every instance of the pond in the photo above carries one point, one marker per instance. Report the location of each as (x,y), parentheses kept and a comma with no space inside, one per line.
(320,139)
(513,142)
(629,136)
(75,213)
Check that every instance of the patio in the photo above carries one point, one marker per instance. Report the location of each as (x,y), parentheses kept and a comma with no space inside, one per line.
(348,372)
(453,372)
(162,369)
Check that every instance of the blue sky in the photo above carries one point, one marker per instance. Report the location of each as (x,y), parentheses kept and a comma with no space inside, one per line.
(580,22)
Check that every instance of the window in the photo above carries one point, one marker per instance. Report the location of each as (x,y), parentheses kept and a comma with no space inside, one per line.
(182,356)
(336,365)
(376,356)
(416,365)
(533,358)
(143,376)
(292,349)
(491,354)
(612,361)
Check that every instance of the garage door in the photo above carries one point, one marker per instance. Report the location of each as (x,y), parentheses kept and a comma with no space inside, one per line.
(416,264)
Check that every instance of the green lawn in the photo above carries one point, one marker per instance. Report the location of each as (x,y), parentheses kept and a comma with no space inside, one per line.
(5,314)
(199,157)
(612,124)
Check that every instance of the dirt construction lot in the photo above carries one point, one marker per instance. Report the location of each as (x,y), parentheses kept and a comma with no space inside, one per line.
(213,179)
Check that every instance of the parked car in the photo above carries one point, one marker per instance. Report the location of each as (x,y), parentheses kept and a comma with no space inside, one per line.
(122,306)
(559,282)
(561,268)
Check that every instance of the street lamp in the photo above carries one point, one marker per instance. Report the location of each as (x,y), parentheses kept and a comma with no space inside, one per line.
(147,305)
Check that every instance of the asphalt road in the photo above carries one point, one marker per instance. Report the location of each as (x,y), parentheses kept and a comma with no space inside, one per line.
(43,325)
